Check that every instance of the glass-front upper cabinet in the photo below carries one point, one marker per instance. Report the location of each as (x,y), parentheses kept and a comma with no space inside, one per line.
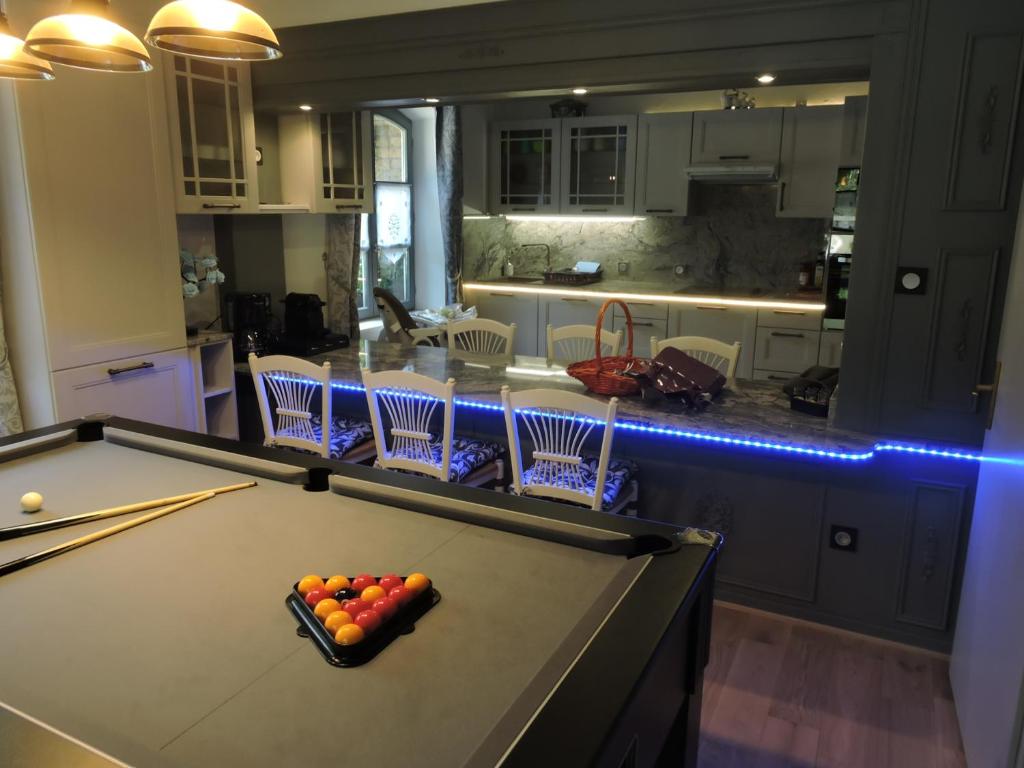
(598,164)
(212,136)
(346,181)
(525,162)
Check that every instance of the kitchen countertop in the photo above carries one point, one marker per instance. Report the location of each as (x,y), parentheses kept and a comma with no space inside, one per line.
(203,338)
(659,290)
(752,410)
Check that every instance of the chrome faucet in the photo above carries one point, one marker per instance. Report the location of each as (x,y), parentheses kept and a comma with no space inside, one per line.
(545,246)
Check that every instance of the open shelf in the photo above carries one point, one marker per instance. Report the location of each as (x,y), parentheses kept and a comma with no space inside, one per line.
(217,392)
(216,405)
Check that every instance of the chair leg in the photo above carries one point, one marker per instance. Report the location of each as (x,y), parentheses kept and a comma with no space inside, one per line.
(499,478)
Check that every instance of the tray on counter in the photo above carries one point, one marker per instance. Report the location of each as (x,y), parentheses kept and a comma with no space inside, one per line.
(572,277)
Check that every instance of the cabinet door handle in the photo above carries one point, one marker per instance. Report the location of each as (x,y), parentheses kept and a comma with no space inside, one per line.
(640,304)
(773,377)
(524,210)
(349,207)
(801,313)
(782,335)
(506,295)
(715,309)
(660,210)
(734,157)
(643,324)
(993,390)
(782,196)
(594,210)
(226,206)
(585,301)
(130,368)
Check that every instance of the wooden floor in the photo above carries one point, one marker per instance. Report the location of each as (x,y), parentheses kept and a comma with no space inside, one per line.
(781,693)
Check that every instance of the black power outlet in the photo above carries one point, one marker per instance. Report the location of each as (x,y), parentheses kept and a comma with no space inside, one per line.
(843,538)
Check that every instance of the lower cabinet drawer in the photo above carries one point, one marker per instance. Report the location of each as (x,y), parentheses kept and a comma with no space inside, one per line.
(804,319)
(643,330)
(763,375)
(156,388)
(786,350)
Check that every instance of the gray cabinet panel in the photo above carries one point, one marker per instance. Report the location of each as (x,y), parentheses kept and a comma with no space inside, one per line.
(930,556)
(986,117)
(663,154)
(855,122)
(749,136)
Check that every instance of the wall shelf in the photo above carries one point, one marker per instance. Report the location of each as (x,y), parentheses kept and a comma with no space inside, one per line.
(213,366)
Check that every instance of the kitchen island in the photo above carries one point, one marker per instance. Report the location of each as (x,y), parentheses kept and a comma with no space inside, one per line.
(842,527)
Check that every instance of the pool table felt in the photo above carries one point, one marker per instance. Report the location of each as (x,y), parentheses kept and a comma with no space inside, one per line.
(173,637)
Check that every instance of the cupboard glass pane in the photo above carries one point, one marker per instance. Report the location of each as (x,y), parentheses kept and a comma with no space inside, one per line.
(525,159)
(236,133)
(394,215)
(597,164)
(205,68)
(325,153)
(211,125)
(342,139)
(188,161)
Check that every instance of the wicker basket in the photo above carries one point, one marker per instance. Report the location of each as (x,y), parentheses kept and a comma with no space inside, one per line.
(607,375)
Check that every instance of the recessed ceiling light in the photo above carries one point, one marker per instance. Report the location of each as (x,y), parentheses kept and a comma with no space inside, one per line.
(580,91)
(432,100)
(305,107)
(766,78)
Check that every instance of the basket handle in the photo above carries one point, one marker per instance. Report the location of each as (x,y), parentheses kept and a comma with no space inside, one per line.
(600,325)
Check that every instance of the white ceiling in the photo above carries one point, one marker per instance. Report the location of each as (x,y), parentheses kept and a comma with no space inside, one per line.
(293,13)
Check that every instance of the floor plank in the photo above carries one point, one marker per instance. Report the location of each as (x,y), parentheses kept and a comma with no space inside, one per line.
(785,694)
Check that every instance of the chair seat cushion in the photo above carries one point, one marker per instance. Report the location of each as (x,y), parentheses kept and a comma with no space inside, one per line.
(620,472)
(346,434)
(468,455)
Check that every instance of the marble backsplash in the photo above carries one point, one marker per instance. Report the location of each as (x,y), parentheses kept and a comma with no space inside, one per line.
(732,241)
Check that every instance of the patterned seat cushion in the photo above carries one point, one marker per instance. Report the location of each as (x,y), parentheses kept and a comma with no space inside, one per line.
(620,472)
(468,455)
(346,434)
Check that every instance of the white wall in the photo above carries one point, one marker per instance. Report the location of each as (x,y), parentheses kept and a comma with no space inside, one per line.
(305,240)
(426,210)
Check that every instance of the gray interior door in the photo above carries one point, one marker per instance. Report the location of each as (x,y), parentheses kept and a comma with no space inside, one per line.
(987,668)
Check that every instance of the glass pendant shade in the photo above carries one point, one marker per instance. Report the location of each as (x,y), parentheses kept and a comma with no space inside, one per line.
(15,63)
(213,29)
(87,39)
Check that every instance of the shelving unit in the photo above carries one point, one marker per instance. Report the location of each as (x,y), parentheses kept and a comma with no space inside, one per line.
(213,367)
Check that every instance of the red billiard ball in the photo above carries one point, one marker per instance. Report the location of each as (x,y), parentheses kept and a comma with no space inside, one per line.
(390,581)
(368,620)
(355,606)
(401,595)
(362,581)
(386,607)
(314,596)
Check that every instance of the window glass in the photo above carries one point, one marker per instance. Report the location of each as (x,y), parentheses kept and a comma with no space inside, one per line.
(390,150)
(394,215)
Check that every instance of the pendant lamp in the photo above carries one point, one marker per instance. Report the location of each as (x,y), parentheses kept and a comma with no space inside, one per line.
(213,29)
(86,37)
(15,63)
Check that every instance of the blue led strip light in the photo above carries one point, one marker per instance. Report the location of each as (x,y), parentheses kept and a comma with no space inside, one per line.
(756,445)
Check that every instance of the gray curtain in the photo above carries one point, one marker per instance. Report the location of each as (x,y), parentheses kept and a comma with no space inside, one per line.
(10,413)
(342,265)
(449,197)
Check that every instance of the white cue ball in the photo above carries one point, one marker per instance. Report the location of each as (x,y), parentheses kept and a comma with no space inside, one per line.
(31,502)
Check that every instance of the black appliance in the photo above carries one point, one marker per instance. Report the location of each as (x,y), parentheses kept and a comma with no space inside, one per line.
(248,317)
(839,259)
(304,332)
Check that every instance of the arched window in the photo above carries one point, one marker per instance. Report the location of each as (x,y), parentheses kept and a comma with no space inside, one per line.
(387,233)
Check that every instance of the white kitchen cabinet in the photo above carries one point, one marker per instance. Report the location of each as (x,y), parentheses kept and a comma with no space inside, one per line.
(650,318)
(663,155)
(742,135)
(598,165)
(785,350)
(90,250)
(525,158)
(800,319)
(213,138)
(831,352)
(855,123)
(559,311)
(725,324)
(808,162)
(327,161)
(155,388)
(507,307)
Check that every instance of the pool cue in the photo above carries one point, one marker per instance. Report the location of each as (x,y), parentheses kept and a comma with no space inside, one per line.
(60,549)
(26,529)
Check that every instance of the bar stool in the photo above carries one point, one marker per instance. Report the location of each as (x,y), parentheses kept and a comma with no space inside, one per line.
(402,430)
(558,424)
(719,355)
(482,337)
(573,343)
(285,387)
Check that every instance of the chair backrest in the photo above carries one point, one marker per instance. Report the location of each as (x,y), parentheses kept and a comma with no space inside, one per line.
(396,318)
(573,343)
(482,337)
(558,423)
(402,431)
(719,355)
(285,387)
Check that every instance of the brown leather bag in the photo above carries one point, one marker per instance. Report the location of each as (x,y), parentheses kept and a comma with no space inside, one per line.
(676,374)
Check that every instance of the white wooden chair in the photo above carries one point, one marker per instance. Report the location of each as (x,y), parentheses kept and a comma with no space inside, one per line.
(558,424)
(399,326)
(478,336)
(285,388)
(402,430)
(573,343)
(719,355)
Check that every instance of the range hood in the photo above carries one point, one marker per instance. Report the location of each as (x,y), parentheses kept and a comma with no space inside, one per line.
(735,173)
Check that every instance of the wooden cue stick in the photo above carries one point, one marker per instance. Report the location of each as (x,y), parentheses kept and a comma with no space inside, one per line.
(46,554)
(26,529)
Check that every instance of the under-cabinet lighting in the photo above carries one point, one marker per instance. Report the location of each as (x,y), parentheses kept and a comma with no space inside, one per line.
(305,107)
(580,91)
(481,217)
(432,100)
(576,219)
(766,79)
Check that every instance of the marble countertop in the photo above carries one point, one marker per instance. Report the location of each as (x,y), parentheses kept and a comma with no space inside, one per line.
(661,289)
(203,338)
(751,410)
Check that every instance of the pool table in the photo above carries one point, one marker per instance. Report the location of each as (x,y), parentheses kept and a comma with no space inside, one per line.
(563,637)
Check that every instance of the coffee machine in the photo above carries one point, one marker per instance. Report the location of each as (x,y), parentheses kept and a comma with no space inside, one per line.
(305,334)
(248,317)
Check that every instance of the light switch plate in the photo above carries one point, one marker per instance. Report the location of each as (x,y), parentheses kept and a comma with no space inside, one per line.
(623,267)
